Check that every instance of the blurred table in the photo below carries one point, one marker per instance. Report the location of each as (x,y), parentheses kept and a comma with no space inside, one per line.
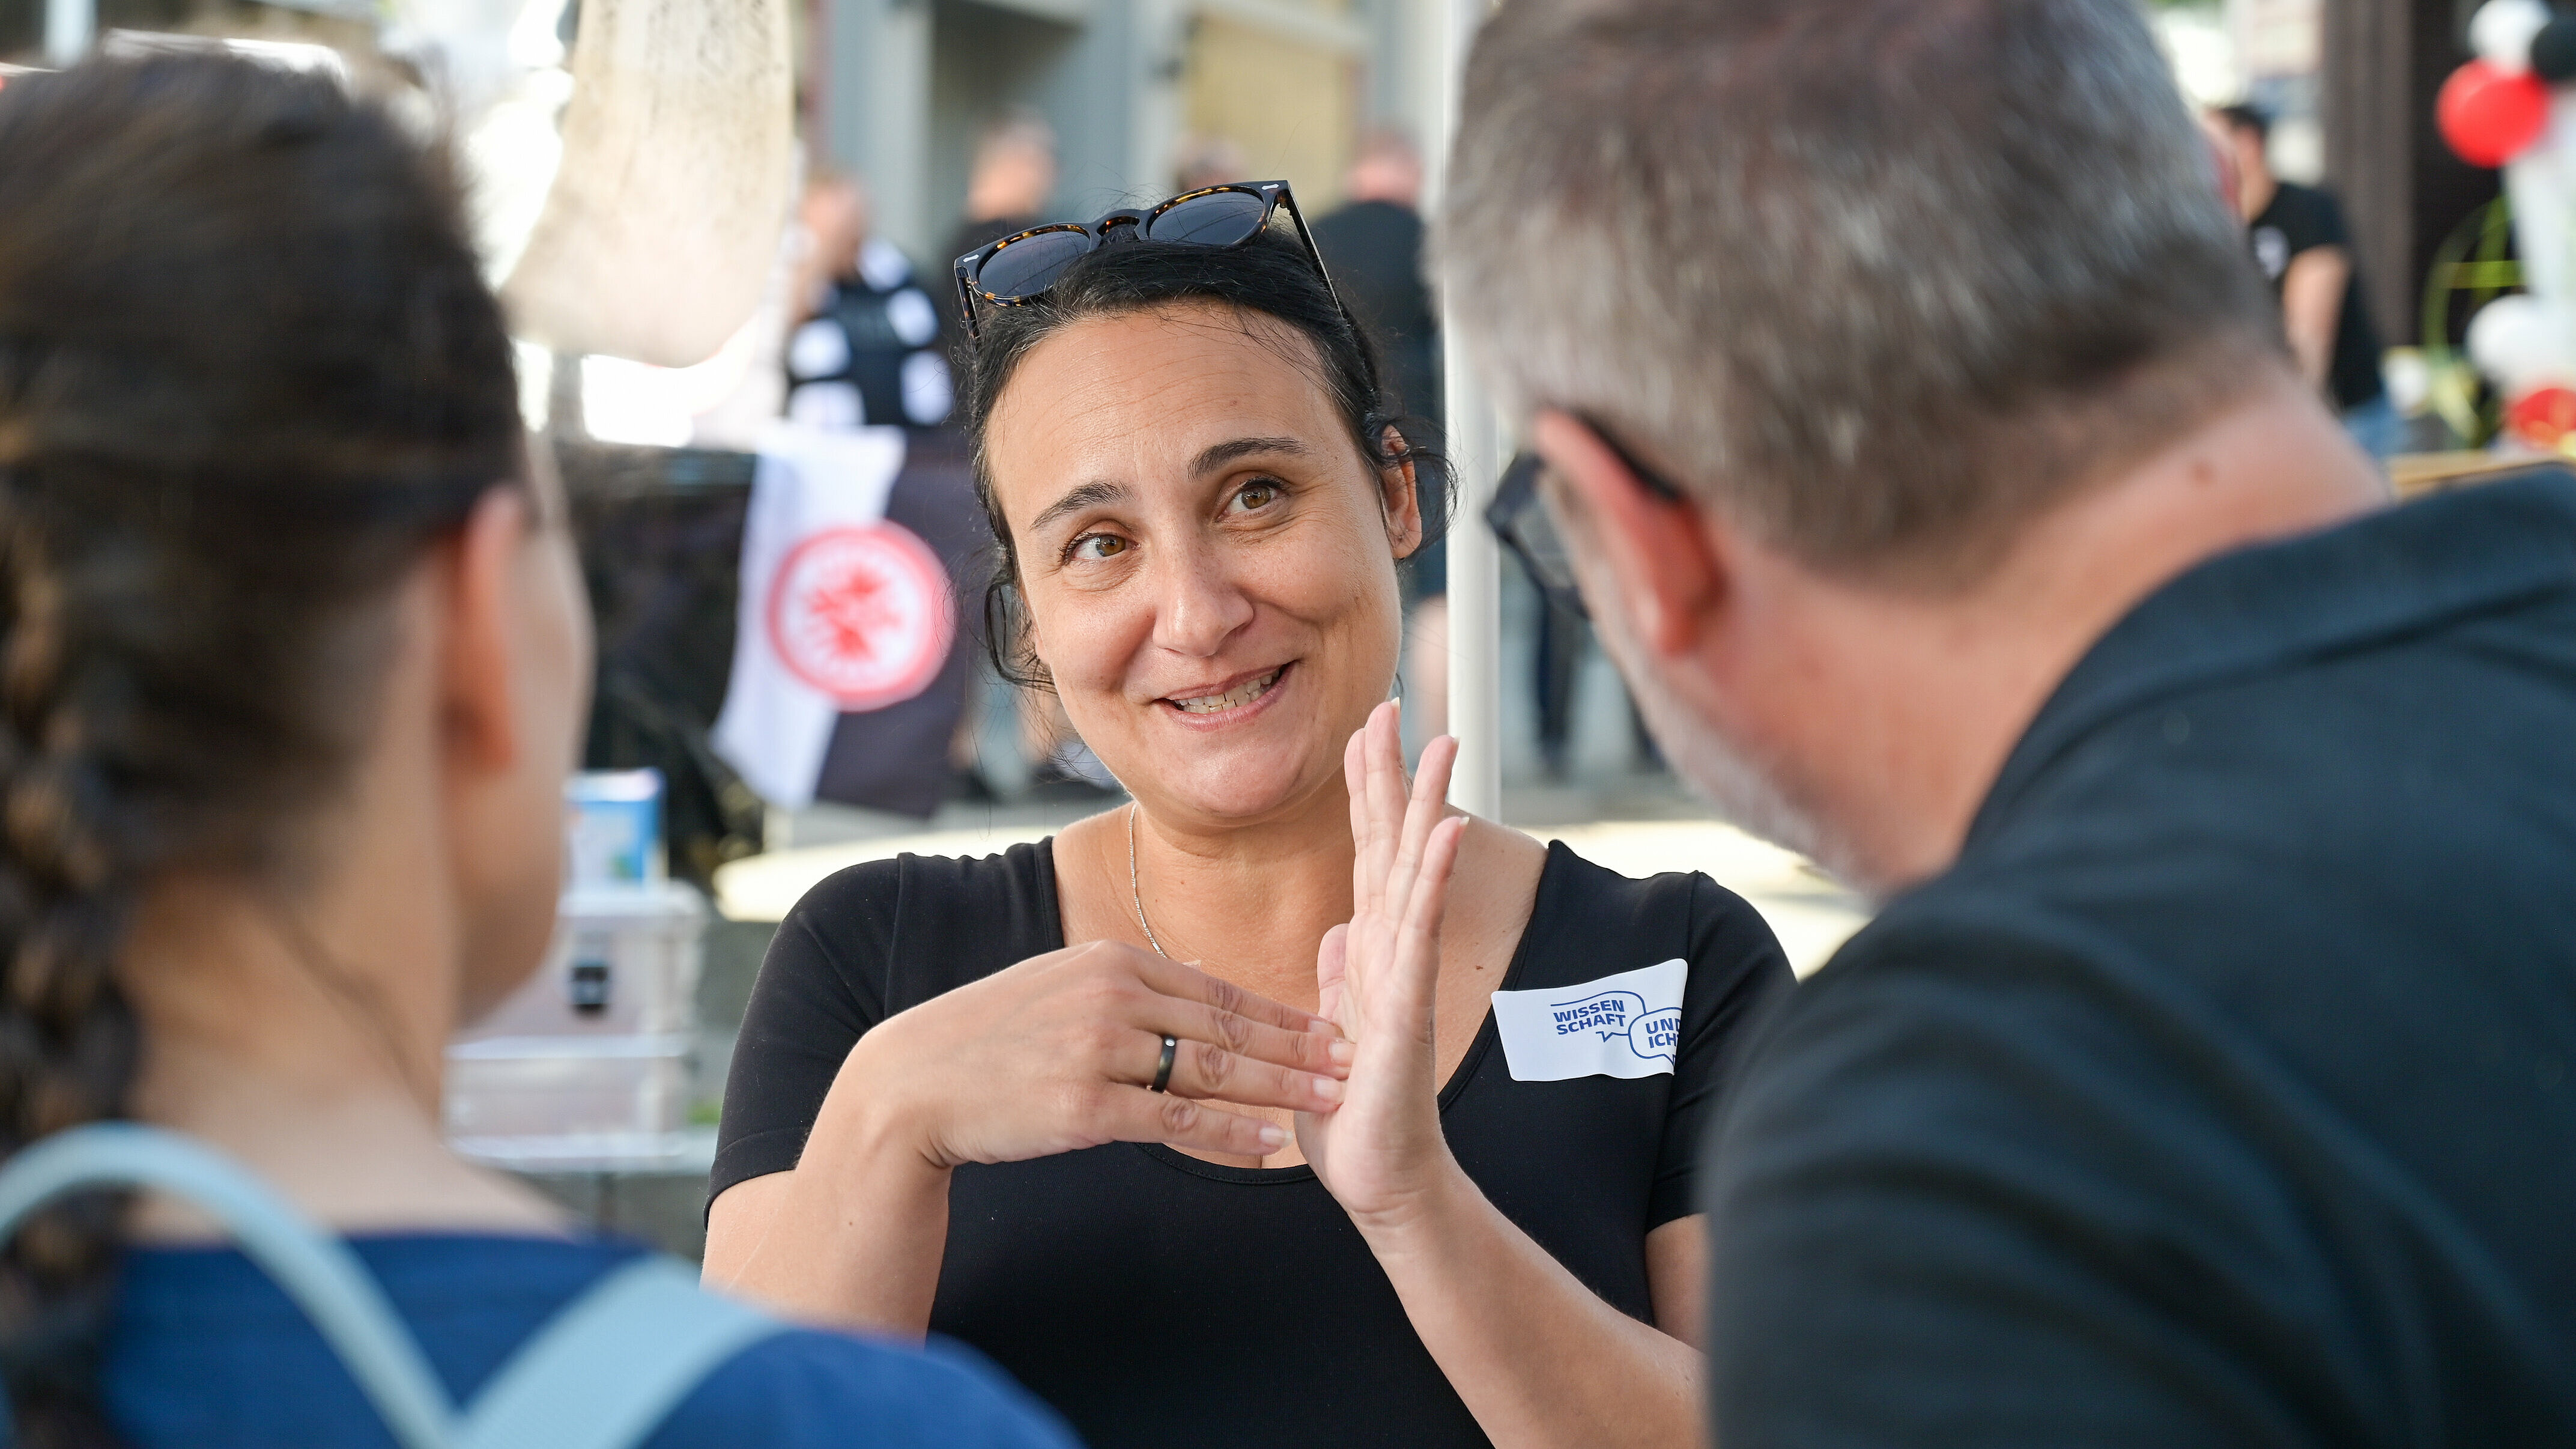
(2417,474)
(661,1200)
(1811,914)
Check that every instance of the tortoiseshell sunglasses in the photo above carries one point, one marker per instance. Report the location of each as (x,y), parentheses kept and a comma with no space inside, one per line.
(1022,266)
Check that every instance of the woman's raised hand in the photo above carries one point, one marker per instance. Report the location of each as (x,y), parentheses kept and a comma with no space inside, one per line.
(1059,1052)
(1381,1151)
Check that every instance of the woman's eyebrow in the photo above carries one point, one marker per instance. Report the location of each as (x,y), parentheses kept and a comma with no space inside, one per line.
(1220,454)
(1089,495)
(1209,460)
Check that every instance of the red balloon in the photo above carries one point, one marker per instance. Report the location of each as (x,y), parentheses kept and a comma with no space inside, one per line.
(2543,417)
(2489,116)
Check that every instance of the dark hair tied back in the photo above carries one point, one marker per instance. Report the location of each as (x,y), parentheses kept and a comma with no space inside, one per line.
(249,370)
(1269,276)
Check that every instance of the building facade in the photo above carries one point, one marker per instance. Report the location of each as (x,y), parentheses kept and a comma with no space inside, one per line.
(898,90)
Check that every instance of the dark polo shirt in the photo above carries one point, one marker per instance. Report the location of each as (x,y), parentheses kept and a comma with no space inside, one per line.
(2225,1091)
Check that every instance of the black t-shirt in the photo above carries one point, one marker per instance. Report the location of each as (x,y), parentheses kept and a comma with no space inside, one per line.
(1374,251)
(2225,1092)
(2299,219)
(1156,1299)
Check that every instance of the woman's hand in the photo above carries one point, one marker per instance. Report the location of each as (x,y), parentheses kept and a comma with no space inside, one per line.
(1057,1053)
(1381,1151)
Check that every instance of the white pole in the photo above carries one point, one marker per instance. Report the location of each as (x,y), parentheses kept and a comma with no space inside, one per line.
(69,26)
(1475,577)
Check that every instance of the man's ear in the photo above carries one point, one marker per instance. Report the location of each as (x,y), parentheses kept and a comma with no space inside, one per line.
(1661,560)
(476,702)
(1399,493)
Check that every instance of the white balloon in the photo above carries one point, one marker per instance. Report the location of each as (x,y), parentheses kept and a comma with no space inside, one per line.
(2501,32)
(2522,342)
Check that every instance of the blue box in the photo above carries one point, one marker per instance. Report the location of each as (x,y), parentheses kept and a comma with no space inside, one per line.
(613,830)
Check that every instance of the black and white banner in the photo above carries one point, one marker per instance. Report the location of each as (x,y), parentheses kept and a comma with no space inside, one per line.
(847,680)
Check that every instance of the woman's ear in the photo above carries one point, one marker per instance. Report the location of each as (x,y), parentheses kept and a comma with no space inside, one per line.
(1399,493)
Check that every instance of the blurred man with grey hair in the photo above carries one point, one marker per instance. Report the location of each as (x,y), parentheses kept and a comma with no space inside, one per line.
(1933,462)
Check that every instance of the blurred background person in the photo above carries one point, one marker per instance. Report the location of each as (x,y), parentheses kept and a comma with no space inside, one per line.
(865,348)
(1561,641)
(1373,245)
(298,662)
(1008,191)
(1206,161)
(2298,238)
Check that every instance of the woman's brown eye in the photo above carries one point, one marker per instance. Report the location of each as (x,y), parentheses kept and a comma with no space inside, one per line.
(1097,546)
(1257,495)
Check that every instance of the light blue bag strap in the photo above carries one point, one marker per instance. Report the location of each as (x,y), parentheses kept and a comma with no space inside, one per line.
(603,1374)
(611,1367)
(316,1269)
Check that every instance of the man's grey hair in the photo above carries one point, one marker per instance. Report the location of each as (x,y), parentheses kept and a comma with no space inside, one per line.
(1878,279)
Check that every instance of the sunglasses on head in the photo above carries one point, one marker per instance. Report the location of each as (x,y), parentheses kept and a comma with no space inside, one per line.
(1519,517)
(1022,267)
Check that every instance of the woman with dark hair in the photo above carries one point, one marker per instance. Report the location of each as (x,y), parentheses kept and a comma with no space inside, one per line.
(988,1098)
(293,657)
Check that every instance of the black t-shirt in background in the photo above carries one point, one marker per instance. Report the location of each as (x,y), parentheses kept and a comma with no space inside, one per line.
(2225,1092)
(2299,219)
(1155,1299)
(1373,250)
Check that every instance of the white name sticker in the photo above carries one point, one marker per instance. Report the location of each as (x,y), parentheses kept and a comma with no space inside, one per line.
(1628,1025)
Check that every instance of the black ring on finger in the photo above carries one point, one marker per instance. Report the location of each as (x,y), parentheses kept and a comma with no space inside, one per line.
(1163,1068)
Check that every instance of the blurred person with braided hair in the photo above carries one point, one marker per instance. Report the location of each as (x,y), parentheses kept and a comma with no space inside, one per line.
(293,657)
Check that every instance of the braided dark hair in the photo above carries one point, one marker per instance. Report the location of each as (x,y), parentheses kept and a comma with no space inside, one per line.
(1270,276)
(249,371)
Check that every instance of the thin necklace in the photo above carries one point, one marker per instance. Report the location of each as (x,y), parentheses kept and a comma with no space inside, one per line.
(1136,890)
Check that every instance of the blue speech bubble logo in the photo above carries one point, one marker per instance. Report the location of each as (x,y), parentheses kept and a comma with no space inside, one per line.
(1608,1013)
(1656,1034)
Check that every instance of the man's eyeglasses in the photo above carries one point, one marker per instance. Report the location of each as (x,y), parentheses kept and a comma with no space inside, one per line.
(1021,267)
(1519,517)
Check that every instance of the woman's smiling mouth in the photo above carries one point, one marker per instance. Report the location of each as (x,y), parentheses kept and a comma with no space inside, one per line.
(1234,698)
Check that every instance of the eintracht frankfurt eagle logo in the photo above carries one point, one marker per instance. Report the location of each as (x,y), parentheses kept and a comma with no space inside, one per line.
(863,614)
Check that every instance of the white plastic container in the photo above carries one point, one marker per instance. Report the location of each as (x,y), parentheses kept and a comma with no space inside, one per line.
(624,962)
(591,1061)
(554,1087)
